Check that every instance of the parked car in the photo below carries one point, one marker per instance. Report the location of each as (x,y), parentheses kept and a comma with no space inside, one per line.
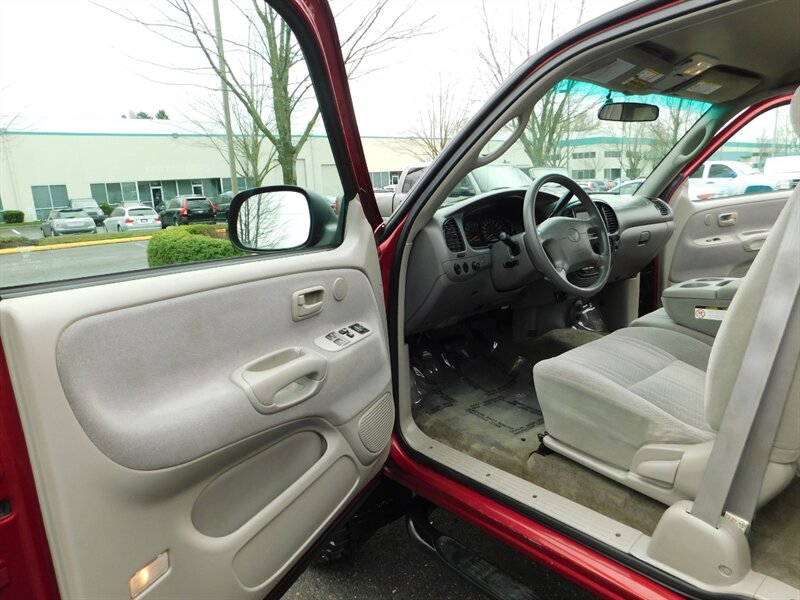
(186,210)
(68,220)
(279,404)
(222,203)
(593,185)
(490,177)
(132,218)
(722,178)
(90,207)
(784,170)
(629,187)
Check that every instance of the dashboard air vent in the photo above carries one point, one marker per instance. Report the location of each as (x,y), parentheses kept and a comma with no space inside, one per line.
(662,207)
(452,236)
(609,217)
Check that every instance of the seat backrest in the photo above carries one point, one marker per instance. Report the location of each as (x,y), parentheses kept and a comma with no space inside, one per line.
(734,334)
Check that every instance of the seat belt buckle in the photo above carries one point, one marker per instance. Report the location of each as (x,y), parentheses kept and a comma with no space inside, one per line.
(738,521)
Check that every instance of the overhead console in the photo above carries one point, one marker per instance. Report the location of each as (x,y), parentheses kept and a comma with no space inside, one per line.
(652,70)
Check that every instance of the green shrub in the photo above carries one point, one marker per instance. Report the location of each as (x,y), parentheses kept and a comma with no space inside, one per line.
(106,208)
(192,243)
(14,216)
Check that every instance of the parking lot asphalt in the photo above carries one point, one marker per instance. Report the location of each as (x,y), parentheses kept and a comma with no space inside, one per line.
(64,263)
(390,565)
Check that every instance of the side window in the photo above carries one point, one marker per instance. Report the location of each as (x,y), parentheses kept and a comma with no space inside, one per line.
(719,170)
(762,157)
(173,129)
(411,180)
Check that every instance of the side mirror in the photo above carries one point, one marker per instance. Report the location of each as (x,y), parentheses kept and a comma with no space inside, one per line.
(627,111)
(270,219)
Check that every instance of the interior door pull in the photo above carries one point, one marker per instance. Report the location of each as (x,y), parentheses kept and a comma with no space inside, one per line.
(282,379)
(727,219)
(308,302)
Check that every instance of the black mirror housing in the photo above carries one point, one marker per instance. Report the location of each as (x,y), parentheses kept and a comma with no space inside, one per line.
(628,112)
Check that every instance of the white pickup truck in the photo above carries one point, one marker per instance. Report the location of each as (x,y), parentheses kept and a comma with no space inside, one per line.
(483,179)
(721,178)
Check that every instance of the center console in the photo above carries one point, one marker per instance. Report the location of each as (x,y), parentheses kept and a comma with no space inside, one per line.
(695,307)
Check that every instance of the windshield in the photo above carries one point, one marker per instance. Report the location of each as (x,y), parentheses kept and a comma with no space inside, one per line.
(141,211)
(72,214)
(496,177)
(564,135)
(84,204)
(203,204)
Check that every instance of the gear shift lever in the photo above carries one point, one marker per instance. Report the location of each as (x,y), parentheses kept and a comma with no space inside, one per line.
(513,246)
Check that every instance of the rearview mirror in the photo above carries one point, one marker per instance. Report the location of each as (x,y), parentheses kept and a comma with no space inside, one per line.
(271,218)
(627,111)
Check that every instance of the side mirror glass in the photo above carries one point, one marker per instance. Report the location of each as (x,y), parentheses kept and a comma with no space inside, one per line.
(272,218)
(627,112)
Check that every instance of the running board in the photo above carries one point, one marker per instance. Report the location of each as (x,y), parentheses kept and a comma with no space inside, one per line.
(488,578)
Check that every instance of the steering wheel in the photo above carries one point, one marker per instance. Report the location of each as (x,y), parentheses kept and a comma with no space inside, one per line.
(562,245)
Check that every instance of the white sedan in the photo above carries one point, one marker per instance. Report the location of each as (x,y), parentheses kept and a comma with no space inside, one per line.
(132,218)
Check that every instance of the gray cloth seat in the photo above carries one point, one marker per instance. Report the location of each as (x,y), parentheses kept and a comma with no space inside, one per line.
(643,405)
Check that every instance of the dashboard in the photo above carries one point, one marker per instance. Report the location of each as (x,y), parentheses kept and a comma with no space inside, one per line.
(456,269)
(483,225)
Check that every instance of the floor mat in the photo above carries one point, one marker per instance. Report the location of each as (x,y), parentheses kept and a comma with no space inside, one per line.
(474,392)
(479,400)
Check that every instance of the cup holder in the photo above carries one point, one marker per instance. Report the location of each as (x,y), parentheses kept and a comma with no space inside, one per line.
(695,284)
(710,279)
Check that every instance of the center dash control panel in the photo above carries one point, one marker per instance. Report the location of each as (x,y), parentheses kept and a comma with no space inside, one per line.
(342,337)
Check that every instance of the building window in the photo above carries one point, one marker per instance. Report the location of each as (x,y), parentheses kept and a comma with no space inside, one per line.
(583,173)
(114,193)
(48,197)
(225,184)
(612,173)
(584,154)
(381,179)
(612,154)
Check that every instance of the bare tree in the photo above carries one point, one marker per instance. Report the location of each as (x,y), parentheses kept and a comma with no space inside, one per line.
(634,149)
(675,118)
(255,157)
(562,113)
(444,115)
(289,86)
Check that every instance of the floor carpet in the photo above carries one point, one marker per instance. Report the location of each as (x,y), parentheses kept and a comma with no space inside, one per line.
(474,392)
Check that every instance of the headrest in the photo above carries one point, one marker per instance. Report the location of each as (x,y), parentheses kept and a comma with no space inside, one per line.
(794,111)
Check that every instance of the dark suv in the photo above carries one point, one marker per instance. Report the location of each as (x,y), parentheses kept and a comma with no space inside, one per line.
(183,210)
(222,203)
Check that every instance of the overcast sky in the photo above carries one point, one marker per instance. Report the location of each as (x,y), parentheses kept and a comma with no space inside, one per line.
(75,59)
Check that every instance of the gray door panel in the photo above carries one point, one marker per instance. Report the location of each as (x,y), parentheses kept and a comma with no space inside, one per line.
(718,238)
(143,440)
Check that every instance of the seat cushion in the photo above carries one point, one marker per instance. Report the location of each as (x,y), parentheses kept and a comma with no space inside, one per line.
(636,386)
(659,318)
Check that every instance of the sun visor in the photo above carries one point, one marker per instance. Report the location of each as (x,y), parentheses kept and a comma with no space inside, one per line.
(716,85)
(633,71)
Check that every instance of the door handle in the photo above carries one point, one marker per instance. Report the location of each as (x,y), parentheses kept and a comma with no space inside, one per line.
(282,379)
(308,302)
(753,240)
(727,219)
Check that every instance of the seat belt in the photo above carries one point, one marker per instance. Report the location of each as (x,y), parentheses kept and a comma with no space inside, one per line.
(740,455)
